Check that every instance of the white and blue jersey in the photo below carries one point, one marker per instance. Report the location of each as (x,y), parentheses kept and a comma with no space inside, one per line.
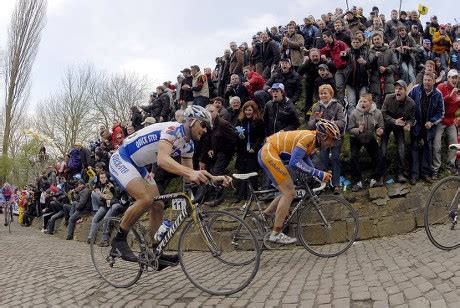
(141,149)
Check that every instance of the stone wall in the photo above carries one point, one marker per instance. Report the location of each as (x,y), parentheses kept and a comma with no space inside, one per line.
(383,211)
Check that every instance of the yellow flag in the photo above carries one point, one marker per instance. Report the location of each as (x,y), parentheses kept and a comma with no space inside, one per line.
(422,9)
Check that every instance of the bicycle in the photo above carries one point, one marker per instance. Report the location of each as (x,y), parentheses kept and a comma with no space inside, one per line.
(208,256)
(442,210)
(8,212)
(326,226)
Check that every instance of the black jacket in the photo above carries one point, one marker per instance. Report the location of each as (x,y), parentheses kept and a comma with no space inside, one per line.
(310,71)
(222,138)
(270,54)
(256,55)
(186,95)
(238,90)
(160,107)
(254,136)
(85,156)
(280,116)
(232,116)
(291,81)
(357,75)
(136,120)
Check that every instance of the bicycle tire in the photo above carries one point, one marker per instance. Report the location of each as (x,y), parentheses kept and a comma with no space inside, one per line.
(125,274)
(323,241)
(251,220)
(444,198)
(218,273)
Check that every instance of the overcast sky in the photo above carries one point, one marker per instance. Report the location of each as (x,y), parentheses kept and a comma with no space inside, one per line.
(159,38)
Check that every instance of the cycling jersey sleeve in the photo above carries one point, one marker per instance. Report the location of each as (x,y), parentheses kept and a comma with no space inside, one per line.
(170,133)
(300,160)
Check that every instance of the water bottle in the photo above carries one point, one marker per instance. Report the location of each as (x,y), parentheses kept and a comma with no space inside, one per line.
(162,230)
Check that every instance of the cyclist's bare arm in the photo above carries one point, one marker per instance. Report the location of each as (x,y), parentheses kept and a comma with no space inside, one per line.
(165,161)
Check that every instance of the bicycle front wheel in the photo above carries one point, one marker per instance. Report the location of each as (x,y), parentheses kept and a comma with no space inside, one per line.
(441,213)
(114,270)
(329,227)
(212,259)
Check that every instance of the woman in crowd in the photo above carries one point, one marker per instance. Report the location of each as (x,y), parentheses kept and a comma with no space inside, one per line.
(251,132)
(330,109)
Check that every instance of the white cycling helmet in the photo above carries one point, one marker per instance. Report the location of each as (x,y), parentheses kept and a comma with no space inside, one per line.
(199,113)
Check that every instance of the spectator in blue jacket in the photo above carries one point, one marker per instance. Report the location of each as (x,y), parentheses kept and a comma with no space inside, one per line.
(429,110)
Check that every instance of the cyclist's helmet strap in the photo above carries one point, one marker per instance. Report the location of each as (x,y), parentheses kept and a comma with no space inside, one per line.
(328,128)
(199,113)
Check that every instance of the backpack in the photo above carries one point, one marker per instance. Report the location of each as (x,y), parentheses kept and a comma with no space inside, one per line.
(74,159)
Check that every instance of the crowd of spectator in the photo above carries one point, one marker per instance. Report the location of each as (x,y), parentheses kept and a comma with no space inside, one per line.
(373,77)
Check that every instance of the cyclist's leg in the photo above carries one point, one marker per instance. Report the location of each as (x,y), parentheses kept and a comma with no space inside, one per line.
(287,190)
(270,161)
(144,194)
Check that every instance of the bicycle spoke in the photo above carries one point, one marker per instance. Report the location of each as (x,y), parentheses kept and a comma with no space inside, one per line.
(225,265)
(328,229)
(116,271)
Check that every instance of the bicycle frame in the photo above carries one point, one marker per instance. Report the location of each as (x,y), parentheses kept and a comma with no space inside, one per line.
(190,209)
(307,196)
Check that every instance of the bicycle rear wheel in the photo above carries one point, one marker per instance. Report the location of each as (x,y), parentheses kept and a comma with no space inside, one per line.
(329,228)
(114,270)
(212,259)
(441,213)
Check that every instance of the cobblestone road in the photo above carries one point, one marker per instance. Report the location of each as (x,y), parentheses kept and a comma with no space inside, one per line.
(401,271)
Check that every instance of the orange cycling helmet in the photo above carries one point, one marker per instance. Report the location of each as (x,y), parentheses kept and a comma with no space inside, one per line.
(328,128)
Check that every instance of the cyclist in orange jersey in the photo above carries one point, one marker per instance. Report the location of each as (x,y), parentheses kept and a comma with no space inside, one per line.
(297,146)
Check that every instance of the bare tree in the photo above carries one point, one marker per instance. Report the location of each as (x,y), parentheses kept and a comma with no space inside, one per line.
(24,33)
(67,117)
(113,97)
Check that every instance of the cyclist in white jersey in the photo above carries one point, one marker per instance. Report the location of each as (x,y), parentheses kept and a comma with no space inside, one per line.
(157,143)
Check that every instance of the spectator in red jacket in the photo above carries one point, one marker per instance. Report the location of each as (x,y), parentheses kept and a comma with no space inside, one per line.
(255,81)
(337,51)
(117,134)
(447,125)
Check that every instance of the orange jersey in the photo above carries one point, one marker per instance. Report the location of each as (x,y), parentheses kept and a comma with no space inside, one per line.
(280,146)
(285,142)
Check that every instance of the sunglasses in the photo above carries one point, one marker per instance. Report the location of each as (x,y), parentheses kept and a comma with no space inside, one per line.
(203,124)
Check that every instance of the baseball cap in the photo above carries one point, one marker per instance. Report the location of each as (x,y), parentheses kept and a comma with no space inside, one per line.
(278,86)
(442,26)
(426,41)
(323,66)
(149,120)
(186,70)
(434,17)
(452,72)
(375,8)
(401,83)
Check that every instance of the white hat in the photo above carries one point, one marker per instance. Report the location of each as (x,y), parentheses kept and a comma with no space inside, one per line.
(452,72)
(149,120)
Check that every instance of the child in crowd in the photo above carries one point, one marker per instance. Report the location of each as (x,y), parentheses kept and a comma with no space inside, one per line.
(325,77)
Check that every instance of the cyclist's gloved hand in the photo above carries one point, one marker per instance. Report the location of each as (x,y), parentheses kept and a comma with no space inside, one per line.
(327,177)
(323,176)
